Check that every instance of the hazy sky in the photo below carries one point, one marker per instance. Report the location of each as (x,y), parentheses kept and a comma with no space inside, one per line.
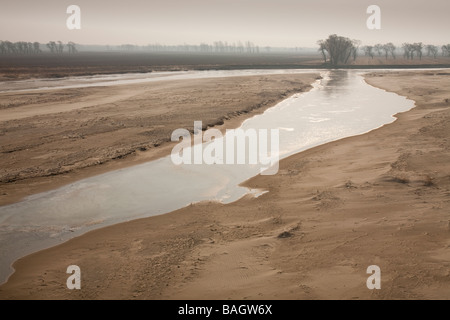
(290,23)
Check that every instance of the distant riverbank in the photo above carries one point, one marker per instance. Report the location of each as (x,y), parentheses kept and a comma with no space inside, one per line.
(54,66)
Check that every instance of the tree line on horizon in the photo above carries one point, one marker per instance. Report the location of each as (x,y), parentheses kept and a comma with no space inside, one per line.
(337,50)
(58,47)
(33,48)
(239,47)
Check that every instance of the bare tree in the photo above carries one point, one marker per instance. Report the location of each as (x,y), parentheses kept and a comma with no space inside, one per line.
(355,49)
(391,48)
(12,48)
(7,47)
(339,49)
(379,49)
(71,46)
(60,47)
(368,50)
(19,47)
(36,48)
(240,47)
(322,49)
(408,50)
(250,47)
(418,47)
(432,51)
(204,47)
(386,51)
(52,46)
(446,50)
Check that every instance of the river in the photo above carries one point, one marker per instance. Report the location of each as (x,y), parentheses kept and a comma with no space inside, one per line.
(340,105)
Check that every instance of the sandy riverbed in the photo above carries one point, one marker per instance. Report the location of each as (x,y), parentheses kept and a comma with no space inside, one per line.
(377,199)
(51,138)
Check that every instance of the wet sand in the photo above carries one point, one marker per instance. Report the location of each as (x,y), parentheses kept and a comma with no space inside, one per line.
(377,199)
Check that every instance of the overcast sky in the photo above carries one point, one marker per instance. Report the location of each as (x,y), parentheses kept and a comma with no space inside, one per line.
(287,23)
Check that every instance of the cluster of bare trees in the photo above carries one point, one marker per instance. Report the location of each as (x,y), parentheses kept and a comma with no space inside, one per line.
(29,48)
(16,48)
(432,51)
(224,47)
(412,49)
(385,50)
(55,47)
(59,47)
(216,47)
(338,49)
(128,47)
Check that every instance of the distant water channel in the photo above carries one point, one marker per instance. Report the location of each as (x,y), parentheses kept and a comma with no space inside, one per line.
(339,106)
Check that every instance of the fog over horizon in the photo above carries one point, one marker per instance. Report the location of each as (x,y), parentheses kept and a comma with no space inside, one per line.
(282,23)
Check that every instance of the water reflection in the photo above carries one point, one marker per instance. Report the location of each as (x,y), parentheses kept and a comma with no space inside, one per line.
(336,82)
